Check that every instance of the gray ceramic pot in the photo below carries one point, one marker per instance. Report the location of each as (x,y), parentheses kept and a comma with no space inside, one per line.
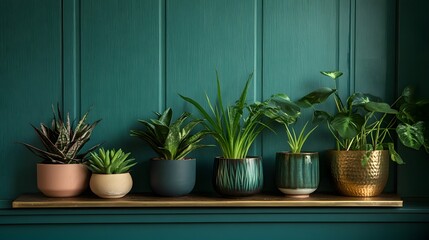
(172,177)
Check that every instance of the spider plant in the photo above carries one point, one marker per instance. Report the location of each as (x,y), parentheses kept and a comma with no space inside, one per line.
(63,141)
(297,140)
(236,127)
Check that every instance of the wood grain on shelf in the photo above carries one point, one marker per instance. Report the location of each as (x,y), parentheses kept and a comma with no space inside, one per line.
(261,200)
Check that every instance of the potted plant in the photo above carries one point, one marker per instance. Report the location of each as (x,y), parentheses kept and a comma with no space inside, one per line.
(172,173)
(110,173)
(61,173)
(362,127)
(235,128)
(297,172)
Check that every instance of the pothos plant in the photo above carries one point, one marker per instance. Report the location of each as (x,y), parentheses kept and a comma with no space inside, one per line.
(236,127)
(364,122)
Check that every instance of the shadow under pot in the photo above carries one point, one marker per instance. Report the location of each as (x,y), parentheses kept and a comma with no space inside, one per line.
(297,174)
(62,180)
(238,177)
(172,178)
(352,178)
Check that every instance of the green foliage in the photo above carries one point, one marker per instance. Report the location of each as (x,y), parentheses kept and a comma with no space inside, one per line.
(63,141)
(366,123)
(296,141)
(413,116)
(171,140)
(236,127)
(110,162)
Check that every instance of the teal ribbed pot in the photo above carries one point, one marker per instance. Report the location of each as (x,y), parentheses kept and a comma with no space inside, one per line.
(297,175)
(238,177)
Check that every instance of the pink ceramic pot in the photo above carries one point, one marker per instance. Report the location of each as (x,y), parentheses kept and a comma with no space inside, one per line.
(62,180)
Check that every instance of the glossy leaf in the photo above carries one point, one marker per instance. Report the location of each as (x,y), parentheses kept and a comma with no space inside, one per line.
(359,99)
(411,136)
(394,155)
(379,107)
(170,140)
(332,74)
(347,126)
(321,116)
(315,97)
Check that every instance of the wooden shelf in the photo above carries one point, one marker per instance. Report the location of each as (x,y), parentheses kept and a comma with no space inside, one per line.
(191,201)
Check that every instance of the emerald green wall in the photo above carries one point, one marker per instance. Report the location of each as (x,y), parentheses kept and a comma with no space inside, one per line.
(126,59)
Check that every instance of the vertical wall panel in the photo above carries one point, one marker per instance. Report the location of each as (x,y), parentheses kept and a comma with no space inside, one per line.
(30,73)
(375,48)
(374,63)
(413,69)
(203,36)
(120,62)
(300,39)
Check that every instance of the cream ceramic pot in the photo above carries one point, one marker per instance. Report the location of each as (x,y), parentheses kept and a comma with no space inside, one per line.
(111,185)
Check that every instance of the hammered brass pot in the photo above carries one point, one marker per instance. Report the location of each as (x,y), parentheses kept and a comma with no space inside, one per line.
(353,179)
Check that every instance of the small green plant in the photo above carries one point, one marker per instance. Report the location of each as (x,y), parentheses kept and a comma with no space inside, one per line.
(63,141)
(236,127)
(110,162)
(296,141)
(169,139)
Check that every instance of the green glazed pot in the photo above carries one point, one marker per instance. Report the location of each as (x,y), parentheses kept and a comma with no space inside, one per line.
(238,177)
(297,175)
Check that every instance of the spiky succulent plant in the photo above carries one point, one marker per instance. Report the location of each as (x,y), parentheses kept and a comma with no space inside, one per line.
(63,141)
(169,139)
(110,162)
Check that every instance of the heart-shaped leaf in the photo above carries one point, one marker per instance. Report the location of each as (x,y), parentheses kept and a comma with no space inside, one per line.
(321,116)
(379,107)
(358,99)
(411,136)
(315,97)
(347,126)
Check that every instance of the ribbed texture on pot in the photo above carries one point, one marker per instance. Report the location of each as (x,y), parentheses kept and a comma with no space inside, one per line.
(296,171)
(238,177)
(353,179)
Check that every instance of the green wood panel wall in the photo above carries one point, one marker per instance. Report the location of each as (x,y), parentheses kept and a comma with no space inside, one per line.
(126,59)
(120,77)
(413,69)
(31,77)
(300,39)
(202,37)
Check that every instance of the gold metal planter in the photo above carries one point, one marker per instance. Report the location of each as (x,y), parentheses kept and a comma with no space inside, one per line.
(353,179)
